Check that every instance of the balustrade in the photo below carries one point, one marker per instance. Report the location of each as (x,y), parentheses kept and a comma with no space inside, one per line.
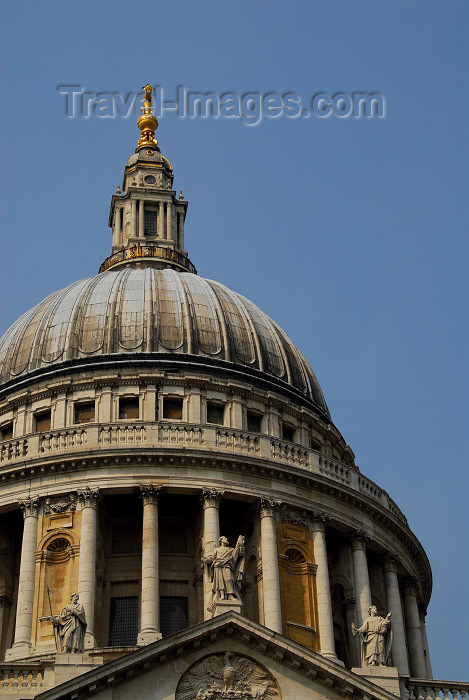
(21,677)
(13,449)
(333,469)
(237,440)
(179,434)
(122,434)
(436,690)
(63,440)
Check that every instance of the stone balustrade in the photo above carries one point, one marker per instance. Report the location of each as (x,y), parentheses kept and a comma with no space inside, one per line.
(167,434)
(334,469)
(289,452)
(26,679)
(13,449)
(416,689)
(237,440)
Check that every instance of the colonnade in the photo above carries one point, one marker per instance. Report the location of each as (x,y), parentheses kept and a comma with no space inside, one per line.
(407,647)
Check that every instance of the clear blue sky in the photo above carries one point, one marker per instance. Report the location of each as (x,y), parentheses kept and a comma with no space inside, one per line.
(349,232)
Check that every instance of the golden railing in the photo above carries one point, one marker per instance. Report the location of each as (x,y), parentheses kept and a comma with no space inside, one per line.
(144,252)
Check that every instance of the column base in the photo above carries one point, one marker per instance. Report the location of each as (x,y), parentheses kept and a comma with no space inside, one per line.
(223,606)
(18,651)
(386,677)
(90,641)
(147,637)
(332,657)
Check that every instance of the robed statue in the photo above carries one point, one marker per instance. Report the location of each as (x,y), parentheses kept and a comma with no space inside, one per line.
(71,626)
(226,569)
(376,638)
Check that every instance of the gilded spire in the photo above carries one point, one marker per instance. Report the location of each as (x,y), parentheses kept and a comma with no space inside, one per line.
(147,123)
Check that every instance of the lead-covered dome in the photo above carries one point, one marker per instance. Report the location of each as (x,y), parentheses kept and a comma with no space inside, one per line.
(155,314)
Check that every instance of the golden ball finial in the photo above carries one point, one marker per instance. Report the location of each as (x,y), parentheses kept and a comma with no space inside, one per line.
(147,122)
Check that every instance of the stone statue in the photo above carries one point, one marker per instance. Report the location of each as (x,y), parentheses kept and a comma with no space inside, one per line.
(376,638)
(71,625)
(226,568)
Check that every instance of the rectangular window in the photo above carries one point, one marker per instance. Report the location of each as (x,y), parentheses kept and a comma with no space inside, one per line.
(42,421)
(123,627)
(151,223)
(6,432)
(254,422)
(84,412)
(215,413)
(172,408)
(287,433)
(129,408)
(173,614)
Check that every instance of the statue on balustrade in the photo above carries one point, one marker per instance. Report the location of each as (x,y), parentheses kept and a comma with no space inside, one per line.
(226,569)
(71,626)
(376,638)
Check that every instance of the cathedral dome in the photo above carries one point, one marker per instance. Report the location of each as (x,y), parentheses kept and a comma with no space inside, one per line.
(154,314)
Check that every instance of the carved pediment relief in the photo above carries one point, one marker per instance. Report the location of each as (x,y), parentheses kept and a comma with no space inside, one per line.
(227,676)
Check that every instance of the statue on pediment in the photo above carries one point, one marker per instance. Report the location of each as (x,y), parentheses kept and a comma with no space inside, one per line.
(71,626)
(376,638)
(226,568)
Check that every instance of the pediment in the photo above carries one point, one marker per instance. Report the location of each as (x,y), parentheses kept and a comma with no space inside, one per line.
(228,657)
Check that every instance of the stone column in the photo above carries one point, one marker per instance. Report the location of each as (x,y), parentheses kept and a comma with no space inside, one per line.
(360,575)
(418,666)
(160,220)
(423,629)
(117,233)
(393,602)
(87,563)
(181,231)
(326,627)
(211,534)
(24,606)
(168,221)
(150,599)
(270,572)
(354,642)
(133,218)
(141,218)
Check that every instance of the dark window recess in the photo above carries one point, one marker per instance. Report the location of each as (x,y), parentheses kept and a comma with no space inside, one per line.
(43,422)
(129,408)
(173,614)
(6,433)
(215,413)
(84,412)
(254,422)
(287,433)
(172,408)
(123,628)
(151,223)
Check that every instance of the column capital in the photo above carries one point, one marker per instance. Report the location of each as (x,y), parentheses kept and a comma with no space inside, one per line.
(268,506)
(411,586)
(319,520)
(391,562)
(211,497)
(88,497)
(149,493)
(422,610)
(30,506)
(358,539)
